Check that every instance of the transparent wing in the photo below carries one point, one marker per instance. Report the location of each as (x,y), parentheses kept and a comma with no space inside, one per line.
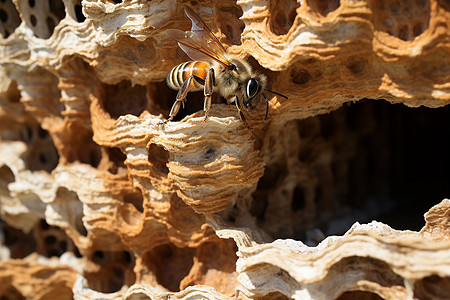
(200,28)
(199,43)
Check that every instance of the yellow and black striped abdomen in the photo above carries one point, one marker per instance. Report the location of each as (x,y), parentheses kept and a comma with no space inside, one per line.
(180,73)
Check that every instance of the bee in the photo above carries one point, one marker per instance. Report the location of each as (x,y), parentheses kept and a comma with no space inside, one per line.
(212,70)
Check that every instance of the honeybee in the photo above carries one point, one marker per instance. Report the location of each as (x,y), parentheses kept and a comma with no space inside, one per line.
(212,69)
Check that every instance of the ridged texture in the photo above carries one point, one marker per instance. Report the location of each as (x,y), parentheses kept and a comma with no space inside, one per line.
(99,201)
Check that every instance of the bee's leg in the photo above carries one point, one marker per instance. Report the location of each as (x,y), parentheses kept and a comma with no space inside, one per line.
(185,88)
(249,103)
(267,106)
(207,91)
(238,106)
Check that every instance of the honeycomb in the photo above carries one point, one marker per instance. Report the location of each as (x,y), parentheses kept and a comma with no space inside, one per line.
(340,194)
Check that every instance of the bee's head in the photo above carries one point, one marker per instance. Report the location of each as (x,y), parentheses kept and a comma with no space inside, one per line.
(254,87)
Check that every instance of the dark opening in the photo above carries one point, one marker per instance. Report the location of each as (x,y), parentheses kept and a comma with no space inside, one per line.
(282,15)
(79,13)
(52,240)
(9,18)
(170,264)
(20,244)
(369,160)
(123,98)
(115,269)
(359,295)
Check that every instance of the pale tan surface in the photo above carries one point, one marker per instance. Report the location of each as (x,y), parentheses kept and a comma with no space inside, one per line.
(185,207)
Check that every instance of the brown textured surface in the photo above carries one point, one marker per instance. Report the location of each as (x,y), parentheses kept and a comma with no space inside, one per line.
(97,201)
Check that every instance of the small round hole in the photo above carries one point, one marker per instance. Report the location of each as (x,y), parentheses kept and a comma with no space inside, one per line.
(118,273)
(356,64)
(43,158)
(209,153)
(127,257)
(298,199)
(324,7)
(98,256)
(63,246)
(33,20)
(50,240)
(44,225)
(94,157)
(3,16)
(42,133)
(280,19)
(79,13)
(50,24)
(403,33)
(417,29)
(300,77)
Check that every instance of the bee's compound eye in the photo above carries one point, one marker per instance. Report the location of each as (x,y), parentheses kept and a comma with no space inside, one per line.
(252,88)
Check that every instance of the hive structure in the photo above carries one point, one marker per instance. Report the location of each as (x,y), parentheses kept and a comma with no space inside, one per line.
(99,201)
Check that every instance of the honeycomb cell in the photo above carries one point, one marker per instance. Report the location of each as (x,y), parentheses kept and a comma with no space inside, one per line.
(42,153)
(274,175)
(123,98)
(64,293)
(354,295)
(403,19)
(356,64)
(432,287)
(10,292)
(77,146)
(160,98)
(228,21)
(75,11)
(115,269)
(169,264)
(300,76)
(215,260)
(79,13)
(9,18)
(158,158)
(112,160)
(324,7)
(19,243)
(132,208)
(52,240)
(298,199)
(282,15)
(43,16)
(13,93)
(444,4)
(66,198)
(382,273)
(135,198)
(6,177)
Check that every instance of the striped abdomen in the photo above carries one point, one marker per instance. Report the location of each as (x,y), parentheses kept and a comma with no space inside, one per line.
(181,72)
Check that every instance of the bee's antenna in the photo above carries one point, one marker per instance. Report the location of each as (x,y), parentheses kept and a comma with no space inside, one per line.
(267,106)
(281,95)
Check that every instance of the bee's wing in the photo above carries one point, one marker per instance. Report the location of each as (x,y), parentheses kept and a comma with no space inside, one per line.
(200,28)
(200,42)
